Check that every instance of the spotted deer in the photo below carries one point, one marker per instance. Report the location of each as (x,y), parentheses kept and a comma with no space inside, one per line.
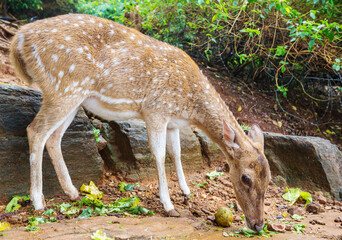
(119,73)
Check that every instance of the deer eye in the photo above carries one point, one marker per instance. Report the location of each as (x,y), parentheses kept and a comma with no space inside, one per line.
(246,180)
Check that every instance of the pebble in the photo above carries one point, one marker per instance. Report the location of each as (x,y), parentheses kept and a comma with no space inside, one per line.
(237,219)
(338,219)
(214,198)
(327,207)
(267,204)
(337,203)
(322,200)
(288,227)
(313,208)
(295,210)
(279,216)
(276,227)
(203,195)
(315,221)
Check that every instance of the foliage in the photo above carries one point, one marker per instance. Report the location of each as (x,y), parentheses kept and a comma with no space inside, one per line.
(299,228)
(99,235)
(248,233)
(293,194)
(292,43)
(91,191)
(4,226)
(126,186)
(214,174)
(96,134)
(14,205)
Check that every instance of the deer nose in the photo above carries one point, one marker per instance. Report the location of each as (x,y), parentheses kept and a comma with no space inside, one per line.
(258,227)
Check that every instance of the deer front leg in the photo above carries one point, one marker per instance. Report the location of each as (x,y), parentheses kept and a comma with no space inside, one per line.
(174,149)
(53,145)
(50,117)
(156,131)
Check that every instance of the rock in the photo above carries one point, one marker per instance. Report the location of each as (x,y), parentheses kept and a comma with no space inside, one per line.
(102,143)
(295,210)
(316,221)
(288,227)
(279,181)
(313,208)
(279,216)
(338,219)
(307,162)
(329,201)
(338,203)
(211,152)
(321,199)
(237,219)
(18,107)
(276,227)
(128,151)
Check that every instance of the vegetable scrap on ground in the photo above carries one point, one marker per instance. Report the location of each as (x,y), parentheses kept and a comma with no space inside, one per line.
(289,211)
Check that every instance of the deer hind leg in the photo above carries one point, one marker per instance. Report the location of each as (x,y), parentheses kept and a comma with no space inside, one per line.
(50,117)
(174,149)
(53,146)
(156,131)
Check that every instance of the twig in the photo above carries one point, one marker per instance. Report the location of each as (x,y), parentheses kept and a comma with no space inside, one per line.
(7,31)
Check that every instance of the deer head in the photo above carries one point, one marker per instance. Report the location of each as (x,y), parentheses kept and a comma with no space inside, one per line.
(249,173)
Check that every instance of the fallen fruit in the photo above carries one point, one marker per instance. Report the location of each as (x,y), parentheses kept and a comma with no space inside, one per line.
(224,217)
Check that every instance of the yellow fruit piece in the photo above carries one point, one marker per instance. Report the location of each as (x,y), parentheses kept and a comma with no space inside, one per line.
(224,216)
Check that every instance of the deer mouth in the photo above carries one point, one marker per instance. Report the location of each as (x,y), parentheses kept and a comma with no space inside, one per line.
(255,225)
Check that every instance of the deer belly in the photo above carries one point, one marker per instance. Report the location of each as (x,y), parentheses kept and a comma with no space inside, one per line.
(115,113)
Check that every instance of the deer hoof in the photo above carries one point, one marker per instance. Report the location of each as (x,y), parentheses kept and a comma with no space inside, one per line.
(173,213)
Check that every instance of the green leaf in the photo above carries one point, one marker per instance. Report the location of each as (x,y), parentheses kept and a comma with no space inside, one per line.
(86,213)
(49,212)
(312,15)
(297,217)
(122,186)
(214,174)
(32,228)
(311,43)
(293,194)
(13,204)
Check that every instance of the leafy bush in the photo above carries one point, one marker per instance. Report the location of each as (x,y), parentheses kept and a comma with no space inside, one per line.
(256,37)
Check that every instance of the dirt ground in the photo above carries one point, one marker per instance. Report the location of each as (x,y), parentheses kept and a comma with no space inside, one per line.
(196,221)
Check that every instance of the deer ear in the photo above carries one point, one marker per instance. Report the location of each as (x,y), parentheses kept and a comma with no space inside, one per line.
(257,136)
(229,136)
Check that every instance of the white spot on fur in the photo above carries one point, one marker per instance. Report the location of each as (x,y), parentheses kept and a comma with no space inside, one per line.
(111,32)
(71,68)
(54,58)
(131,78)
(100,25)
(54,30)
(139,42)
(67,38)
(80,50)
(60,74)
(102,90)
(67,50)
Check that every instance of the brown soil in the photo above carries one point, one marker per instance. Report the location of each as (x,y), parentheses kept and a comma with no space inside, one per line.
(196,216)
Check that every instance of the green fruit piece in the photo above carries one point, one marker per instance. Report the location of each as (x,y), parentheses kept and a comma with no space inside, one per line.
(224,217)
